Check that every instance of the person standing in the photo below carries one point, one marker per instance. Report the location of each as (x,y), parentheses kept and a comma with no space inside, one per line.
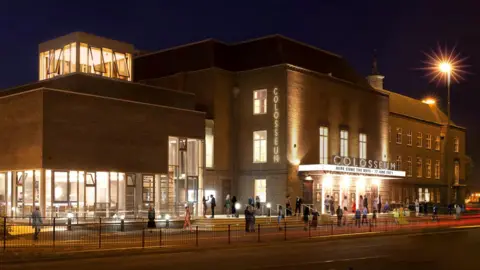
(280,217)
(364,215)
(151,218)
(37,222)
(332,206)
(288,207)
(327,204)
(357,217)
(345,204)
(257,202)
(186,223)
(227,205)
(354,205)
(365,202)
(204,201)
(458,211)
(213,203)
(298,205)
(425,208)
(234,210)
(379,204)
(374,218)
(314,222)
(417,207)
(306,213)
(339,216)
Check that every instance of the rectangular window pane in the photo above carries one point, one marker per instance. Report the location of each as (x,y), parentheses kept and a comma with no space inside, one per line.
(261,189)
(399,135)
(73,57)
(363,145)
(456,145)
(437,143)
(409,138)
(419,167)
(102,187)
(260,101)
(108,61)
(409,166)
(344,143)
(192,157)
(437,169)
(96,60)
(172,151)
(323,145)
(209,147)
(148,188)
(85,65)
(121,70)
(3,192)
(428,168)
(81,189)
(260,146)
(429,141)
(399,163)
(113,189)
(457,172)
(28,187)
(60,186)
(73,186)
(419,139)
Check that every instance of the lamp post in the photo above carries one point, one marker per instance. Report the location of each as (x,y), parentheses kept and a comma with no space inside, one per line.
(446,68)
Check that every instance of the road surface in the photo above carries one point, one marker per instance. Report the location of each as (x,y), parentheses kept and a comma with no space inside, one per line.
(456,248)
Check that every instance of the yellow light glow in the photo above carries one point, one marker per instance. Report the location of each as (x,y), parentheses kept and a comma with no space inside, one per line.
(429,101)
(346,181)
(327,181)
(444,63)
(376,182)
(296,162)
(361,183)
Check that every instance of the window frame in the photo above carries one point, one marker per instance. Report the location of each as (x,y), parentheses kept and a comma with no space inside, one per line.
(428,168)
(437,169)
(456,144)
(362,145)
(456,172)
(344,143)
(437,143)
(398,163)
(265,102)
(152,188)
(409,166)
(428,139)
(260,147)
(419,167)
(419,139)
(399,135)
(323,144)
(409,138)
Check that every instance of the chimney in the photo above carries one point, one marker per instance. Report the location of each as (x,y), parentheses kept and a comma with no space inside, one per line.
(375,79)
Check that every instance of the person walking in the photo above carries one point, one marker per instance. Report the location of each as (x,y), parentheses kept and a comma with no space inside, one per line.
(298,205)
(257,203)
(213,204)
(281,216)
(458,212)
(151,218)
(364,215)
(204,201)
(357,217)
(234,210)
(339,216)
(306,213)
(186,223)
(228,206)
(417,208)
(248,218)
(37,222)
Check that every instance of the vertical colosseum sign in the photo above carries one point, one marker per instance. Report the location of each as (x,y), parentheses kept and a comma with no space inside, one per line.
(276,125)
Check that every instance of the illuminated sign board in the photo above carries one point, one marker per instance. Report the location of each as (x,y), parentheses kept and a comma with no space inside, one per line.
(350,169)
(276,125)
(364,163)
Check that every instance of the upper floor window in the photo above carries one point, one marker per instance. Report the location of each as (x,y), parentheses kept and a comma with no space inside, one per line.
(58,61)
(209,144)
(363,145)
(409,138)
(323,145)
(437,143)
(456,172)
(409,166)
(344,143)
(399,135)
(419,139)
(437,169)
(399,163)
(456,145)
(260,101)
(428,168)
(428,139)
(260,146)
(419,167)
(105,62)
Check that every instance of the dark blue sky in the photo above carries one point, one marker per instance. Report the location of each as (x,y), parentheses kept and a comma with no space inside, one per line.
(400,33)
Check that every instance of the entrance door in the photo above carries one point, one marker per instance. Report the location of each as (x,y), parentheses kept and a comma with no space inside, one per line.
(308,192)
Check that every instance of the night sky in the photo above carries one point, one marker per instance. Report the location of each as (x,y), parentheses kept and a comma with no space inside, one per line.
(400,33)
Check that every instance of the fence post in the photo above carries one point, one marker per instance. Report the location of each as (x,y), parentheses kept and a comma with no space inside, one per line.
(53,232)
(196,235)
(100,234)
(4,233)
(258,232)
(285,230)
(143,237)
(229,233)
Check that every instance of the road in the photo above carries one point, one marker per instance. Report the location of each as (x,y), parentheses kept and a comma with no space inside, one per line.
(455,248)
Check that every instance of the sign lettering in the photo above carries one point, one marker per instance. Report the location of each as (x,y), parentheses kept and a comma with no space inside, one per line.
(276,126)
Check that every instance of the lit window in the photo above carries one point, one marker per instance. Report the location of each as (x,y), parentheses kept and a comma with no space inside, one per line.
(148,188)
(260,101)
(260,146)
(456,144)
(363,146)
(409,166)
(437,169)
(209,144)
(399,135)
(437,143)
(58,61)
(323,145)
(398,164)
(261,189)
(60,186)
(419,167)
(428,138)
(428,168)
(419,139)
(409,138)
(344,143)
(457,172)
(105,62)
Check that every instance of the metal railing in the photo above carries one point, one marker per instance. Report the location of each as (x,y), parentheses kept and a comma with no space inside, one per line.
(57,233)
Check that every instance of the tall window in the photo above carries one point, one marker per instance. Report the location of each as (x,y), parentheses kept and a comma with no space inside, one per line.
(363,146)
(437,169)
(399,163)
(419,167)
(209,144)
(419,139)
(409,166)
(428,138)
(456,145)
(344,143)
(323,145)
(260,101)
(260,146)
(399,135)
(105,62)
(261,189)
(437,143)
(409,138)
(428,168)
(457,172)
(148,188)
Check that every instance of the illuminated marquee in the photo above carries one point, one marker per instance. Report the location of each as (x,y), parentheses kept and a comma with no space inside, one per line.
(364,163)
(349,170)
(276,125)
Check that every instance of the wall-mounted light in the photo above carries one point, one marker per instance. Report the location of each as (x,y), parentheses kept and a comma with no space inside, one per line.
(296,162)
(308,178)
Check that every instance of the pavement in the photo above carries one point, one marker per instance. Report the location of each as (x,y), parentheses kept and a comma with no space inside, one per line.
(453,248)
